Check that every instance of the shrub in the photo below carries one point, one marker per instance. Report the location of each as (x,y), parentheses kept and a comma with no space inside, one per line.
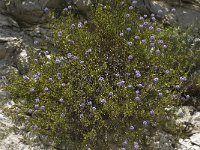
(107,82)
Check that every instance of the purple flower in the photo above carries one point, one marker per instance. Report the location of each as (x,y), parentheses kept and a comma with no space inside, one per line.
(137,73)
(102,100)
(42,107)
(89,103)
(173,10)
(137,37)
(158,51)
(141,26)
(177,87)
(130,43)
(36,42)
(131,128)
(136,145)
(65,9)
(152,37)
(183,79)
(35,60)
(145,16)
(130,86)
(125,142)
(167,71)
(137,98)
(69,7)
(62,115)
(81,62)
(160,94)
(63,84)
(130,7)
(46,89)
(46,9)
(75,57)
(128,29)
(26,78)
(69,55)
(127,15)
(145,123)
(72,26)
(158,29)
(46,53)
(153,18)
(121,83)
(155,80)
(110,94)
(101,78)
(130,57)
(81,115)
(36,106)
(89,50)
(146,23)
(37,100)
(144,41)
(160,12)
(93,108)
(164,46)
(152,15)
(152,112)
(79,25)
(150,28)
(134,2)
(187,97)
(152,44)
(160,41)
(137,92)
(121,34)
(141,18)
(57,61)
(82,105)
(59,33)
(30,111)
(139,86)
(61,100)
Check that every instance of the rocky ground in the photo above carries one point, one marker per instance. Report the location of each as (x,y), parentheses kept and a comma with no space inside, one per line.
(23,22)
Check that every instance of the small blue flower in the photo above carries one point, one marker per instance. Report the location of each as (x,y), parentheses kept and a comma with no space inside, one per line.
(82,105)
(155,80)
(37,100)
(164,46)
(42,107)
(173,10)
(46,89)
(81,62)
(183,79)
(158,29)
(61,100)
(152,37)
(101,78)
(144,41)
(130,43)
(59,33)
(145,123)
(36,106)
(46,9)
(65,9)
(136,145)
(93,108)
(150,28)
(130,7)
(160,94)
(146,23)
(131,128)
(152,112)
(130,86)
(153,18)
(128,29)
(110,94)
(69,55)
(121,83)
(145,16)
(137,98)
(141,18)
(130,57)
(137,37)
(134,2)
(75,57)
(62,115)
(138,74)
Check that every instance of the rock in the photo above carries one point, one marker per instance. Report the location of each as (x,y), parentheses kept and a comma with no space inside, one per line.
(195,139)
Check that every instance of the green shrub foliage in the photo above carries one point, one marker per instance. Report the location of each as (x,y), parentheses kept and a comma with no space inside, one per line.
(107,82)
